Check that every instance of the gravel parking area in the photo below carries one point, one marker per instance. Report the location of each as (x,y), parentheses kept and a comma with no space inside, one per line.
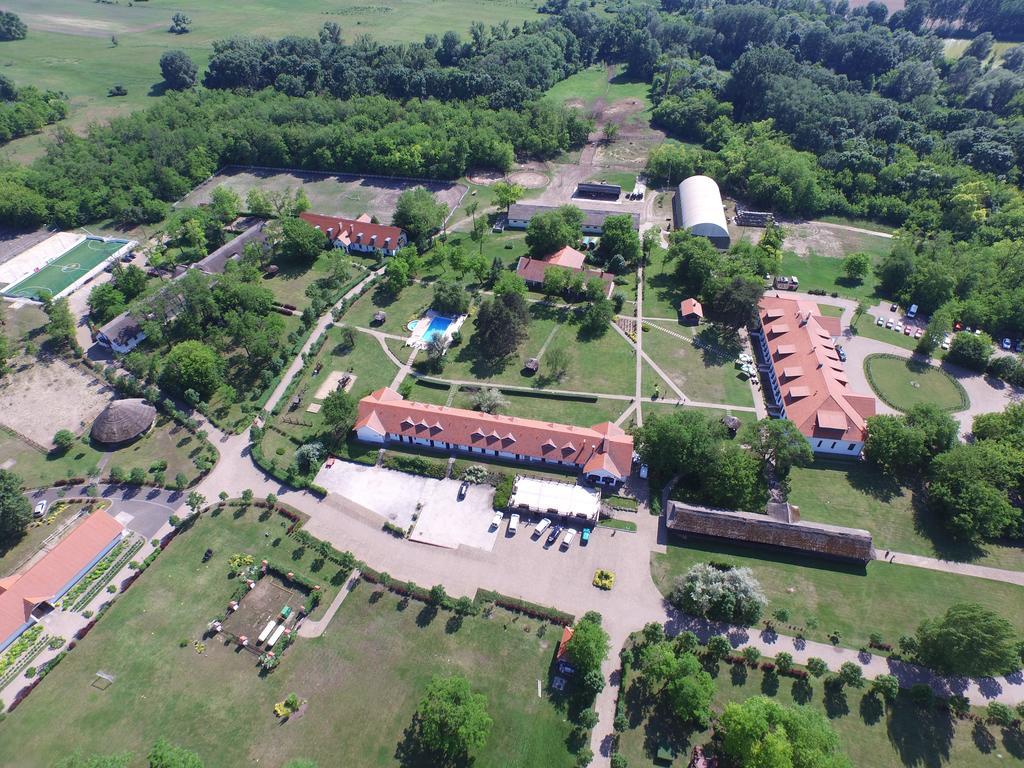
(443,520)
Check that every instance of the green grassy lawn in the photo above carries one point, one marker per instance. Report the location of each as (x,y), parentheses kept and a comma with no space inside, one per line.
(591,85)
(23,324)
(424,393)
(856,495)
(14,553)
(824,597)
(409,305)
(603,365)
(362,679)
(69,48)
(290,283)
(860,223)
(700,374)
(580,413)
(624,179)
(901,737)
(661,292)
(830,310)
(826,273)
(366,360)
(166,442)
(905,383)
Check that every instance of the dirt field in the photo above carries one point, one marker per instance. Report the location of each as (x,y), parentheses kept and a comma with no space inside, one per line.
(337,195)
(260,606)
(42,398)
(529,179)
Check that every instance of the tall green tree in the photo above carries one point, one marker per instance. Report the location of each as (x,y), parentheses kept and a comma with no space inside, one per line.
(506,195)
(419,214)
(301,241)
(501,325)
(178,69)
(549,231)
(15,509)
(339,413)
(589,645)
(167,755)
(968,639)
(61,326)
(761,733)
(192,365)
(452,721)
(779,443)
(619,238)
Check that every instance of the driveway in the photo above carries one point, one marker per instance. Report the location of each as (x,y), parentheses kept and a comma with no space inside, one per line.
(143,510)
(986,395)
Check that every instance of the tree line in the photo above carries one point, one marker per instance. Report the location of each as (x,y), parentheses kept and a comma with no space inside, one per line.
(26,110)
(131,169)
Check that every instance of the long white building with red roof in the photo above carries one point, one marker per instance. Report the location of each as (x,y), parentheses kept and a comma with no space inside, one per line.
(26,597)
(360,234)
(602,453)
(796,350)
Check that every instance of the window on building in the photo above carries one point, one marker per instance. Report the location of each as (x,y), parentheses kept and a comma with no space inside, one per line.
(849,447)
(833,444)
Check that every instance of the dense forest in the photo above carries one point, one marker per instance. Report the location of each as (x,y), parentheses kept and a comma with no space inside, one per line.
(804,107)
(26,110)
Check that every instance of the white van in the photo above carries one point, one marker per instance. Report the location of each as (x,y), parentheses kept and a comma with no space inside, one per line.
(542,526)
(569,536)
(912,312)
(513,523)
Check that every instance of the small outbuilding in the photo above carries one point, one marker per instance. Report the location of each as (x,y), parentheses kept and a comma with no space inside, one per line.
(379,318)
(698,209)
(691,312)
(123,421)
(532,365)
(732,424)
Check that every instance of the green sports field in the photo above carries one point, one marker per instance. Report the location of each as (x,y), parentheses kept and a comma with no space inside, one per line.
(64,270)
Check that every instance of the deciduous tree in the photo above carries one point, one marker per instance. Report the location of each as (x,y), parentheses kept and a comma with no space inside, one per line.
(968,640)
(452,721)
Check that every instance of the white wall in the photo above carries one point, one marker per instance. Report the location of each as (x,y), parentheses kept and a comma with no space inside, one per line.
(850,448)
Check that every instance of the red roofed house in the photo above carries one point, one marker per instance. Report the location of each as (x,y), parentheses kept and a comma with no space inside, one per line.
(603,453)
(533,270)
(691,312)
(26,597)
(795,345)
(360,235)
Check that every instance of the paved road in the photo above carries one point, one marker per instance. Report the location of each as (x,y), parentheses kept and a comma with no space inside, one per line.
(143,510)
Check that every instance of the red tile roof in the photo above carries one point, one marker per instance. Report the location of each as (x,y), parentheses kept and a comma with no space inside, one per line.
(533,271)
(567,633)
(604,446)
(811,376)
(691,307)
(566,257)
(21,593)
(348,230)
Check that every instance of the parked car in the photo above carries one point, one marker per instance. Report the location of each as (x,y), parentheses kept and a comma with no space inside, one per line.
(569,536)
(879,320)
(1007,345)
(542,526)
(643,471)
(946,341)
(513,523)
(496,520)
(553,536)
(893,308)
(585,536)
(463,489)
(40,509)
(890,324)
(919,333)
(842,355)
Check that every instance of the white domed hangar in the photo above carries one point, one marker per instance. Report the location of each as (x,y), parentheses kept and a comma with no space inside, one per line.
(698,209)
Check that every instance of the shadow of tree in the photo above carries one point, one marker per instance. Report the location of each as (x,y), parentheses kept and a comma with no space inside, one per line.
(922,737)
(410,752)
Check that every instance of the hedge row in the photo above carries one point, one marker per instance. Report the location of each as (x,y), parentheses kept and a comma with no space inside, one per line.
(416,465)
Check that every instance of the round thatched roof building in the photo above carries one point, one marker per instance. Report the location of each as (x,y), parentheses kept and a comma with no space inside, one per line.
(123,421)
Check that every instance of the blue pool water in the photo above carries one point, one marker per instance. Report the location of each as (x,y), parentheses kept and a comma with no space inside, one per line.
(438,326)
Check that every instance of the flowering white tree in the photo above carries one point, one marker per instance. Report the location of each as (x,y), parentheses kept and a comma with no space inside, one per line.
(726,595)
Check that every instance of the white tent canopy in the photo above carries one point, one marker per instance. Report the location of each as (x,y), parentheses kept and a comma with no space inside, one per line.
(549,497)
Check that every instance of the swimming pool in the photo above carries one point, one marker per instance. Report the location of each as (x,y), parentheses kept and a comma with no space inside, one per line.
(438,327)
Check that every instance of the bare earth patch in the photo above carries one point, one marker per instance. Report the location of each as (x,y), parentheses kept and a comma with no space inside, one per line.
(485,178)
(529,179)
(44,397)
(329,194)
